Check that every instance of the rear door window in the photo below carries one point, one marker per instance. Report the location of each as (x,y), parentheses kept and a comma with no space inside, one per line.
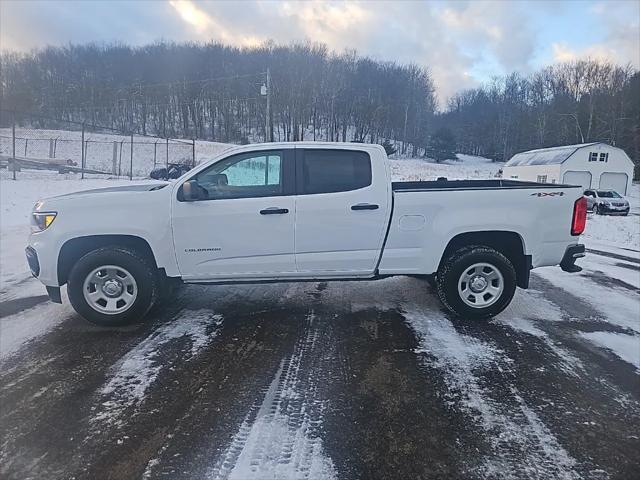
(329,171)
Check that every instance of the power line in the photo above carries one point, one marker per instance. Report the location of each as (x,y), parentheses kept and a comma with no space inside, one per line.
(101,108)
(206,80)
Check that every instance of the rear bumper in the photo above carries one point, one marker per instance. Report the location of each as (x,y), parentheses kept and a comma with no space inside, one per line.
(571,254)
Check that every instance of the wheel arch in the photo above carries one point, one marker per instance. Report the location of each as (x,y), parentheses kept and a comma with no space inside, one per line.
(74,249)
(510,244)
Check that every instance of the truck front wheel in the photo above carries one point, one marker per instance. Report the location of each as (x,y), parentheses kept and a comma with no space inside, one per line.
(476,282)
(112,286)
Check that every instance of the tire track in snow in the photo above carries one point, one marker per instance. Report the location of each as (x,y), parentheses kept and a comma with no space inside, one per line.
(139,368)
(522,445)
(280,435)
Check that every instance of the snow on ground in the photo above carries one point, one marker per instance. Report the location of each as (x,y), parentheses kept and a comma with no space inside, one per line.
(19,196)
(622,232)
(466,167)
(17,329)
(140,367)
(280,437)
(617,303)
(528,311)
(515,427)
(627,347)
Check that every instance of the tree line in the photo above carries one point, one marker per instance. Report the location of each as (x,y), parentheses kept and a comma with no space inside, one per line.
(213,91)
(567,103)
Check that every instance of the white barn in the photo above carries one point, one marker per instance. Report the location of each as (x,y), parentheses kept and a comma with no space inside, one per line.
(592,165)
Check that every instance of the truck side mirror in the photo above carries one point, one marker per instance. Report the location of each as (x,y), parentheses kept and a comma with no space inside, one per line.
(190,191)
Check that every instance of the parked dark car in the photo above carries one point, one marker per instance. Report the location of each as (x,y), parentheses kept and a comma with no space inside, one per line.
(173,171)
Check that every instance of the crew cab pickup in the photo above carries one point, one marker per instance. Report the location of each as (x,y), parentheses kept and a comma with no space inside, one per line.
(301,211)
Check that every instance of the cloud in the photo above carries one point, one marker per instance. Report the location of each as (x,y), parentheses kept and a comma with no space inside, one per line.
(191,14)
(618,22)
(563,53)
(207,25)
(499,29)
(320,18)
(621,43)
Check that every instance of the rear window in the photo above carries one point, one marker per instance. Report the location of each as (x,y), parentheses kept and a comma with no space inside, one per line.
(326,171)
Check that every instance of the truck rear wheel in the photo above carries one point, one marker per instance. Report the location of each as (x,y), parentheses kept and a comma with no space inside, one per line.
(476,282)
(112,286)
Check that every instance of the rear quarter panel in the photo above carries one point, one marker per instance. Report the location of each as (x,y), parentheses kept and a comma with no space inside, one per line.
(424,222)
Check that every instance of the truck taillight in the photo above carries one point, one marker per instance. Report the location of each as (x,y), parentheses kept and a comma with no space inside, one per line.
(579,221)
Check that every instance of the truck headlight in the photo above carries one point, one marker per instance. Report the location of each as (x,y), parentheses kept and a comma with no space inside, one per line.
(42,220)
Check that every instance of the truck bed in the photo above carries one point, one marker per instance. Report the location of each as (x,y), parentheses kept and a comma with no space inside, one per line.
(496,184)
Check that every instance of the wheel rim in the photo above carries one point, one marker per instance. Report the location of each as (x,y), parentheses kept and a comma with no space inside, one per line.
(110,289)
(480,285)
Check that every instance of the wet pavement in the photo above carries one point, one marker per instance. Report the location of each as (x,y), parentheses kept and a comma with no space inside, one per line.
(329,380)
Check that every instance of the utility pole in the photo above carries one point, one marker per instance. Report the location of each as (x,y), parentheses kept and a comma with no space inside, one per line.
(82,159)
(267,127)
(14,165)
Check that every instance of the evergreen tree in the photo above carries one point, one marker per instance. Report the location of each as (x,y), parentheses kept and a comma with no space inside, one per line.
(442,145)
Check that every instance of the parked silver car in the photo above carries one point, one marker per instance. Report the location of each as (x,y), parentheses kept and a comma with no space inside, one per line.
(606,202)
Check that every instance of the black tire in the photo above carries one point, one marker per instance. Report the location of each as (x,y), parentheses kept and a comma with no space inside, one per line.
(599,210)
(141,269)
(457,263)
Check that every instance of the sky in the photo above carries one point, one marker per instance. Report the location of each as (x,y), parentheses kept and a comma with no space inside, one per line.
(463,43)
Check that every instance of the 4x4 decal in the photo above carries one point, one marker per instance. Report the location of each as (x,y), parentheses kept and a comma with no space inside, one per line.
(547,194)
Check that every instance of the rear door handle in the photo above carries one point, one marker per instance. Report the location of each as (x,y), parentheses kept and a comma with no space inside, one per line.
(274,211)
(365,206)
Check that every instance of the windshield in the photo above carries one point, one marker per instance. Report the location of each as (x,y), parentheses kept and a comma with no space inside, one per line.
(609,194)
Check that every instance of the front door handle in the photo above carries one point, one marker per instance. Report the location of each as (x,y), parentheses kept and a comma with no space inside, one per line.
(365,206)
(274,211)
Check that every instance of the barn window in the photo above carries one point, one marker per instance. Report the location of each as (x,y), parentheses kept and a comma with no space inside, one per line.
(542,179)
(604,157)
(593,157)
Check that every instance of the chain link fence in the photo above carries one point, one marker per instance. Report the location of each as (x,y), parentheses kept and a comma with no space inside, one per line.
(88,149)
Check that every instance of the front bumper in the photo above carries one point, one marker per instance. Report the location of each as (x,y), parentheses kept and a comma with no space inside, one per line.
(34,266)
(611,210)
(571,254)
(32,260)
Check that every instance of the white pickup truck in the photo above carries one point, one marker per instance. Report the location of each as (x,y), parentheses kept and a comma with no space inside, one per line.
(301,211)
